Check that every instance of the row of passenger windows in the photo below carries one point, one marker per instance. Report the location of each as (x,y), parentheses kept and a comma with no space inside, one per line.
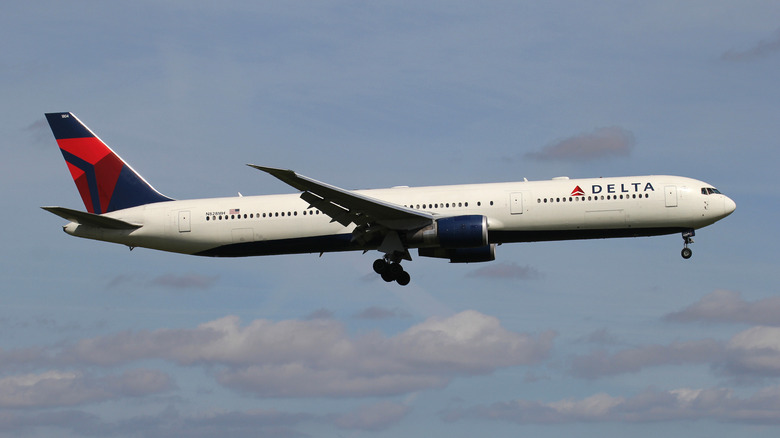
(316,212)
(592,198)
(259,215)
(442,205)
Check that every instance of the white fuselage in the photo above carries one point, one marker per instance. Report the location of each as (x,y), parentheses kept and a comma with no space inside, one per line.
(557,209)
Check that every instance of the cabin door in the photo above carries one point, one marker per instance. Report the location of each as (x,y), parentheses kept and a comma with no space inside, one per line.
(184,221)
(516,203)
(671,196)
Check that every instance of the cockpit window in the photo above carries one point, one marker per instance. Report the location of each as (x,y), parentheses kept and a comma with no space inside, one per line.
(709,191)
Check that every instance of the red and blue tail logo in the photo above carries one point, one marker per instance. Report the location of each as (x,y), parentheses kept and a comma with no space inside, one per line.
(105,182)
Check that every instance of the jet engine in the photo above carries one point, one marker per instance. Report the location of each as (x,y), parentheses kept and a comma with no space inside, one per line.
(462,239)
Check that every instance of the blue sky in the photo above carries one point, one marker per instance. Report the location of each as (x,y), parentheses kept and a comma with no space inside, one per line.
(597,338)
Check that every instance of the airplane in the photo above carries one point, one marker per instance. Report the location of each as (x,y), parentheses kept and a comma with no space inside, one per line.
(461,223)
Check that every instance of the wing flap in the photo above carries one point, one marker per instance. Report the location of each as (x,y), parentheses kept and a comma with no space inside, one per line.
(91,219)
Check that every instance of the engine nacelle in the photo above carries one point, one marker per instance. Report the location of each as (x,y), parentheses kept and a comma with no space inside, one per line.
(469,231)
(485,253)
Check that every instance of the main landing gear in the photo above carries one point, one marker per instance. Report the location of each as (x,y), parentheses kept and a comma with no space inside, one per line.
(391,270)
(687,236)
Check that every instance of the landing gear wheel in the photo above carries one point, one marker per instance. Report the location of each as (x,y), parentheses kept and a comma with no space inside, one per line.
(395,269)
(390,269)
(403,278)
(380,266)
(686,253)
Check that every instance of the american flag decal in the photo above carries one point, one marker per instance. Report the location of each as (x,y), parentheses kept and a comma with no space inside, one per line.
(235,211)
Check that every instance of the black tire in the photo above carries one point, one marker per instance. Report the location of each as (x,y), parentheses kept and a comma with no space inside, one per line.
(396,269)
(380,266)
(387,276)
(403,278)
(686,253)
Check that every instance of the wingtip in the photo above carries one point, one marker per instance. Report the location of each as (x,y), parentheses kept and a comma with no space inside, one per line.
(271,170)
(263,168)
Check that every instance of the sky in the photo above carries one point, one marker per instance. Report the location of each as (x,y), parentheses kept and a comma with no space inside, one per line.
(599,338)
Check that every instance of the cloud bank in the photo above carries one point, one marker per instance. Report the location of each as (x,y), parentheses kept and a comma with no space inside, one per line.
(723,306)
(716,404)
(317,357)
(762,49)
(612,141)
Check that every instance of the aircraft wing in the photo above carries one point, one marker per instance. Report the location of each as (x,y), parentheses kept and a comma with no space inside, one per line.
(91,219)
(345,206)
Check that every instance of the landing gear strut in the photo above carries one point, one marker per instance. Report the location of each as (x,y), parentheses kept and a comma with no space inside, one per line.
(391,270)
(687,236)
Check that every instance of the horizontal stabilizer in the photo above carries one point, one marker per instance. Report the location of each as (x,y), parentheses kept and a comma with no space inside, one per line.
(91,219)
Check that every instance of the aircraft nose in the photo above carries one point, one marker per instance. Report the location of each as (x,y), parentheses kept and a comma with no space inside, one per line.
(729,206)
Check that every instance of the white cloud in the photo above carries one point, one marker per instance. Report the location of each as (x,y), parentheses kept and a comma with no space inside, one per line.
(752,353)
(601,143)
(755,351)
(601,363)
(167,423)
(317,357)
(68,388)
(719,404)
(724,306)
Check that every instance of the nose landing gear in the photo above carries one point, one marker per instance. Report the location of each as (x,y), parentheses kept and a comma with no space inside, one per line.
(391,270)
(687,236)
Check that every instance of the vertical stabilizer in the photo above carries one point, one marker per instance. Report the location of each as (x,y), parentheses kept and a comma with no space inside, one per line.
(105,181)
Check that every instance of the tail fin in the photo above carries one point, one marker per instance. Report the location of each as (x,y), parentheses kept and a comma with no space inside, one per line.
(105,182)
